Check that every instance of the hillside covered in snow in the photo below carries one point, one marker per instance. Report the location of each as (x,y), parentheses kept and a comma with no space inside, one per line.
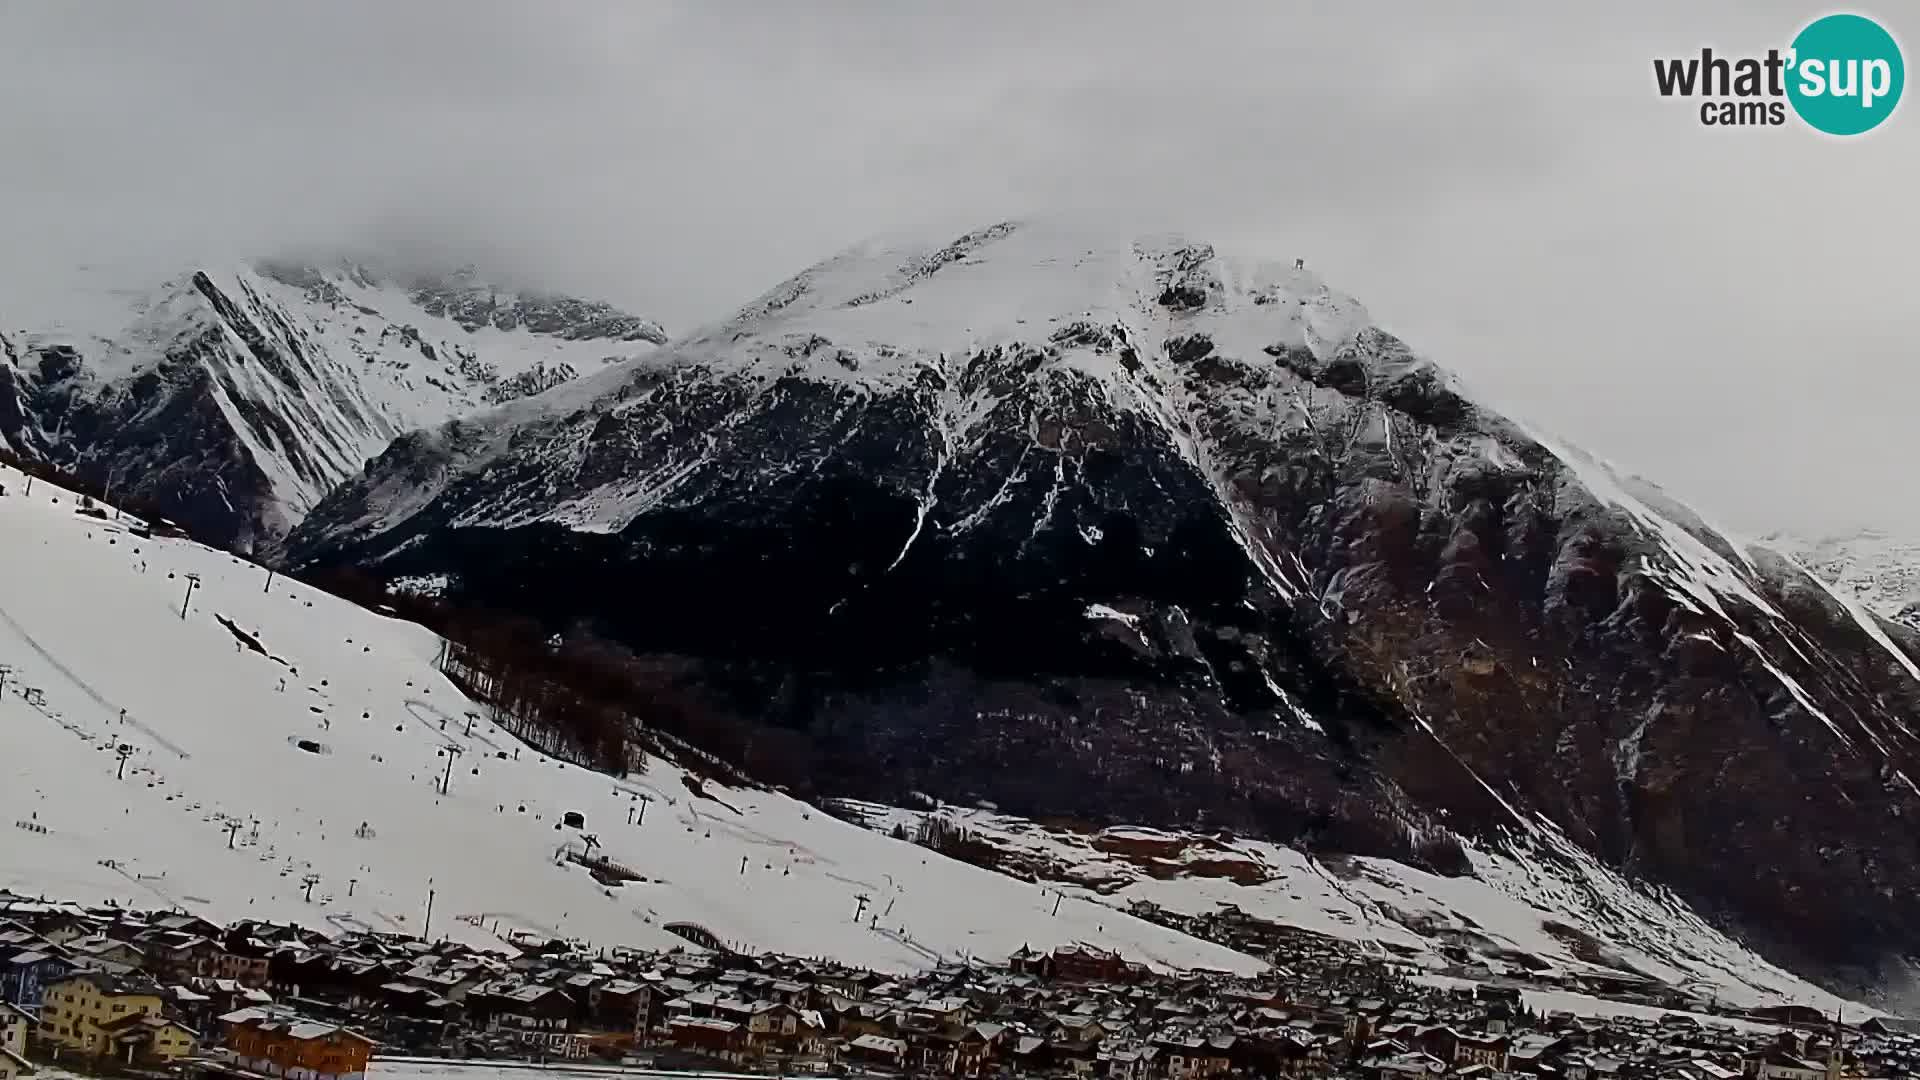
(279,736)
(1128,529)
(279,732)
(234,398)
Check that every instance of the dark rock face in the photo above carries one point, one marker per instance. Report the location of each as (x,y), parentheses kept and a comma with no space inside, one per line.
(954,660)
(162,439)
(1205,553)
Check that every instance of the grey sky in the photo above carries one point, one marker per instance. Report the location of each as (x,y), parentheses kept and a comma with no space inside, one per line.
(1724,311)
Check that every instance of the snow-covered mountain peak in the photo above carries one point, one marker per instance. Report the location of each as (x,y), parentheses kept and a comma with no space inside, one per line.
(236,396)
(881,310)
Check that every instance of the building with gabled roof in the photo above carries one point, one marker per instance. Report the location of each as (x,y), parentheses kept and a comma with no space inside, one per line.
(76,1011)
(14,1025)
(146,1038)
(27,966)
(291,1046)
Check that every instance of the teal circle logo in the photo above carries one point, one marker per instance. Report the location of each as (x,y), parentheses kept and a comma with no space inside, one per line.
(1846,74)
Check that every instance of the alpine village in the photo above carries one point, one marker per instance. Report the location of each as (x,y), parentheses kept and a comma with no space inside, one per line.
(119,992)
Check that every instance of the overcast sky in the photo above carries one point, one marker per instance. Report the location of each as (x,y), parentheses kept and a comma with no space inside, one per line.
(1724,311)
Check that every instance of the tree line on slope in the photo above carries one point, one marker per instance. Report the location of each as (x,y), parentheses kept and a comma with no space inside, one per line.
(584,698)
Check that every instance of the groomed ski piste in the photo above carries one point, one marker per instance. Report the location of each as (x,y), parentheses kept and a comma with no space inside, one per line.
(319,754)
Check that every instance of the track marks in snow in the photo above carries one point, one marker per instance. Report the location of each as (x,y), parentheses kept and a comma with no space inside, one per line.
(87,688)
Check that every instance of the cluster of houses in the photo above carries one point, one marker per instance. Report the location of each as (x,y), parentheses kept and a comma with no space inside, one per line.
(130,990)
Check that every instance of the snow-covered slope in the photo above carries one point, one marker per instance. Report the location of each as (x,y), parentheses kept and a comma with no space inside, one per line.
(1880,571)
(236,397)
(1543,900)
(91,624)
(1127,529)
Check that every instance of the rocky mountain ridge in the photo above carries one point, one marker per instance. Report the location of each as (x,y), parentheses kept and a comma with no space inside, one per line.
(1132,531)
(234,398)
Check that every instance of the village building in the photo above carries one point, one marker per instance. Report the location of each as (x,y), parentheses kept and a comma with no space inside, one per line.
(77,1011)
(296,1048)
(878,1050)
(144,1039)
(15,1023)
(1481,1048)
(26,969)
(1781,1063)
(538,1014)
(243,960)
(99,952)
(724,1040)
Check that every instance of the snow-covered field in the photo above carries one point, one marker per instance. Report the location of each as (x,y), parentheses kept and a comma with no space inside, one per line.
(90,621)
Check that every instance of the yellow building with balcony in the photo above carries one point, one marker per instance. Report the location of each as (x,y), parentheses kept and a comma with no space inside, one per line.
(101,1015)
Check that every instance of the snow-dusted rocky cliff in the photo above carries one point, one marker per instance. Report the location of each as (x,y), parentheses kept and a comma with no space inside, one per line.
(1125,529)
(234,398)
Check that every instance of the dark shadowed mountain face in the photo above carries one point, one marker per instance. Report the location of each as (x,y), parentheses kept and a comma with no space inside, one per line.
(232,400)
(1138,532)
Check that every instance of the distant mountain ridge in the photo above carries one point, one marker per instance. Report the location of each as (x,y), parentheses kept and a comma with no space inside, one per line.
(1121,529)
(234,398)
(1880,570)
